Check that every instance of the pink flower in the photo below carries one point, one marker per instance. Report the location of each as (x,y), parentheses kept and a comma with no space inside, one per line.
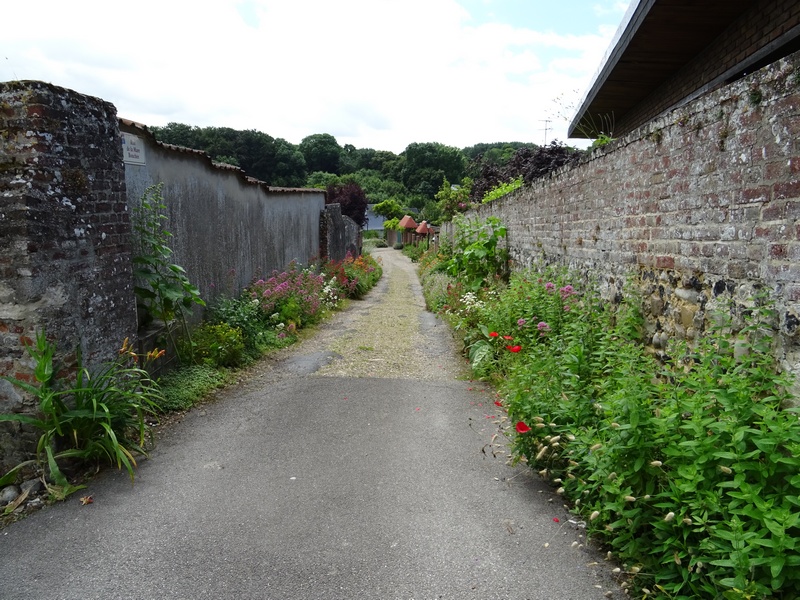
(521,322)
(542,326)
(549,286)
(566,291)
(522,427)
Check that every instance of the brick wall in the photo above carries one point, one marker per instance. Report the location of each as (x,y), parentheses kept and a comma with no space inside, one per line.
(698,208)
(64,235)
(759,26)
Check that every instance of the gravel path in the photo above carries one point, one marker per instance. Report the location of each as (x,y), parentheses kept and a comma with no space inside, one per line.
(387,334)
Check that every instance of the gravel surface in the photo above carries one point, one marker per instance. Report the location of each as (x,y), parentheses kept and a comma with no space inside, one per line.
(387,334)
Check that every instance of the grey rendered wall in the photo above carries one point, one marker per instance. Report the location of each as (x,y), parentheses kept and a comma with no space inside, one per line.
(227,228)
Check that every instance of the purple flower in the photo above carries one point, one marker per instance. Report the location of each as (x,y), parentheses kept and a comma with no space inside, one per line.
(543,327)
(549,286)
(521,322)
(566,291)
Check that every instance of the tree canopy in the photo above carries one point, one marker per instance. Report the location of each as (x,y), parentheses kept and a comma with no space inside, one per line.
(352,199)
(322,153)
(415,181)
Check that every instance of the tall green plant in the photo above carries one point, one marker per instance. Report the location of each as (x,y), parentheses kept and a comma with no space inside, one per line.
(100,415)
(164,290)
(478,252)
(501,190)
(688,470)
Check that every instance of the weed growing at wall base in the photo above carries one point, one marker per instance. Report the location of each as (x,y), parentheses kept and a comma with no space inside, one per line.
(97,416)
(163,290)
(686,470)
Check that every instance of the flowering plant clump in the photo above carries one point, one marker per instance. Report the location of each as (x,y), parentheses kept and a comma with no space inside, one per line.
(353,277)
(687,471)
(294,294)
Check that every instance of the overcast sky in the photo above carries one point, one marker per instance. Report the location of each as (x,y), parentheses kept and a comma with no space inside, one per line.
(373,73)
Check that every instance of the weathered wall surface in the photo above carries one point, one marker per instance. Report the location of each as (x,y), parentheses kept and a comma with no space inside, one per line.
(228,229)
(339,234)
(65,262)
(699,208)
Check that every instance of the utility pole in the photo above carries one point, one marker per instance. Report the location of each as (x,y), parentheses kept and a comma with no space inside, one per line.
(546,123)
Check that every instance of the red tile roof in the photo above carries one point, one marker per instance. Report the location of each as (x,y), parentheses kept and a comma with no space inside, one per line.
(407,223)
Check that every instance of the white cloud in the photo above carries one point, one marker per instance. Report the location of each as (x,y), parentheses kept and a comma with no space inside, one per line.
(375,73)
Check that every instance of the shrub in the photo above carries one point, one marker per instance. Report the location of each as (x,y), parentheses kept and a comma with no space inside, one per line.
(293,295)
(245,314)
(686,470)
(398,246)
(435,290)
(501,190)
(415,251)
(354,277)
(216,345)
(478,254)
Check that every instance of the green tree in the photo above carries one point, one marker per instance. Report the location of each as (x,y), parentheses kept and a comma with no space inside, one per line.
(390,209)
(322,180)
(178,134)
(452,199)
(289,166)
(276,162)
(498,153)
(427,164)
(375,186)
(322,153)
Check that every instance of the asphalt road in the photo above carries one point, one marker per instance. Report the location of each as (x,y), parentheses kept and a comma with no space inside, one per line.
(310,487)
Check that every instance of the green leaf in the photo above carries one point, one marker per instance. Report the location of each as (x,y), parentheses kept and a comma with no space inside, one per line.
(776,565)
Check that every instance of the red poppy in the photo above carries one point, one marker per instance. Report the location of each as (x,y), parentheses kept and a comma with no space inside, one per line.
(507,337)
(493,334)
(522,427)
(498,403)
(514,348)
